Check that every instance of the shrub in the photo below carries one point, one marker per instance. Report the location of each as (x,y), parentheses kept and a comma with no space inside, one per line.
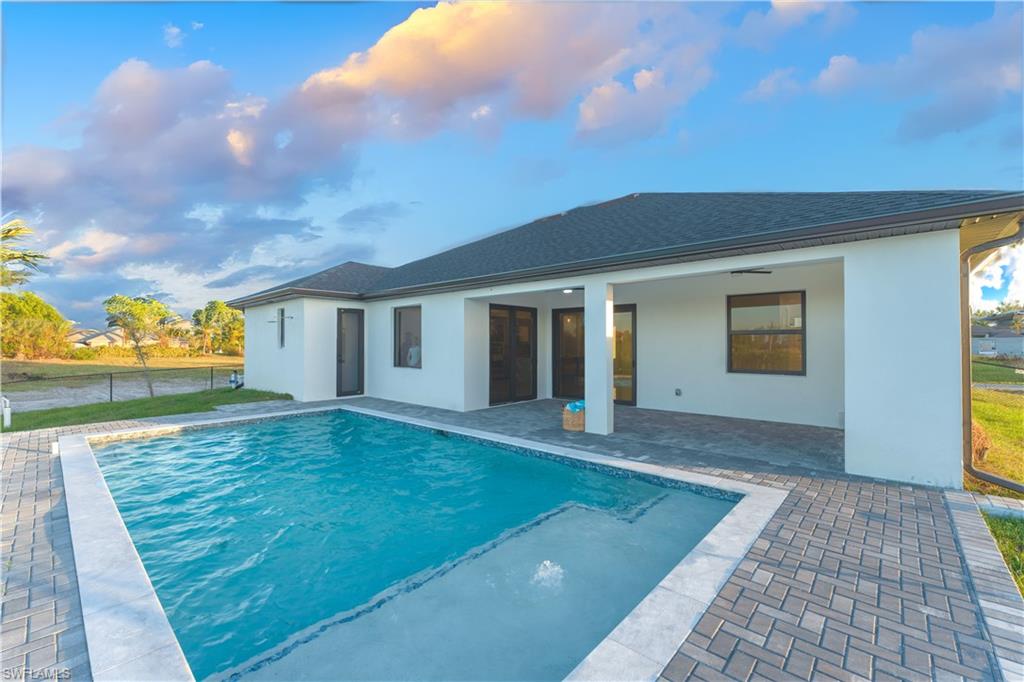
(31,328)
(980,442)
(152,351)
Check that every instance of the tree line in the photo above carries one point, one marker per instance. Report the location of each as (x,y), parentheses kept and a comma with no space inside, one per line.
(31,328)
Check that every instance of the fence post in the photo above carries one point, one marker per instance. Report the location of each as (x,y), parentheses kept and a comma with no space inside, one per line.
(111,387)
(211,377)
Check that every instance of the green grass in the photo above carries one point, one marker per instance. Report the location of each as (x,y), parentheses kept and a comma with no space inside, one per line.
(41,369)
(1009,535)
(29,375)
(1000,414)
(993,372)
(184,403)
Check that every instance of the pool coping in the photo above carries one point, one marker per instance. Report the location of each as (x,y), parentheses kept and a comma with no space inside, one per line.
(1002,606)
(128,635)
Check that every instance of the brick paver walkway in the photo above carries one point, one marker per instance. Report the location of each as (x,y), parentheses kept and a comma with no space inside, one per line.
(851,579)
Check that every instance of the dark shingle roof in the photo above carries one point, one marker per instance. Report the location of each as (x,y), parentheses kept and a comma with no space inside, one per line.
(655,223)
(646,222)
(348,278)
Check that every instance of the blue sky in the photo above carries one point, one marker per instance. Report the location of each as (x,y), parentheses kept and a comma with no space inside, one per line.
(202,151)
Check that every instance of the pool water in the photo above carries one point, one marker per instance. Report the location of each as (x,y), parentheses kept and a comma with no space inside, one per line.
(345,547)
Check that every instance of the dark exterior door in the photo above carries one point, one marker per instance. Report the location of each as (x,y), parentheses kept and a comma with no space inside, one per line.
(568,354)
(350,352)
(567,348)
(513,354)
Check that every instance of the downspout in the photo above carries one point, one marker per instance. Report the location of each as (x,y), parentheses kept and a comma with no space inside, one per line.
(965,360)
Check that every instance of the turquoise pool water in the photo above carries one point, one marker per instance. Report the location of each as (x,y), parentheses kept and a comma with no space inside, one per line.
(345,547)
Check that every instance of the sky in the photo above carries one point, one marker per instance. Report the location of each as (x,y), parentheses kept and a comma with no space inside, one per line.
(207,150)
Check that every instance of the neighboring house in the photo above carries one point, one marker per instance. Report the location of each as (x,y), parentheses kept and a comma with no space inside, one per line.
(92,338)
(998,335)
(770,306)
(77,337)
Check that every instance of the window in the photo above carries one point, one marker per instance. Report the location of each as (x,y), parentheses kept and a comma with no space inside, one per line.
(408,352)
(280,327)
(766,333)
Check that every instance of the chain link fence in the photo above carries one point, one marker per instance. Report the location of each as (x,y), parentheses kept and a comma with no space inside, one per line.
(42,393)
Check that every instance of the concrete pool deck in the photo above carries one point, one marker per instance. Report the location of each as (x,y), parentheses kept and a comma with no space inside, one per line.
(851,577)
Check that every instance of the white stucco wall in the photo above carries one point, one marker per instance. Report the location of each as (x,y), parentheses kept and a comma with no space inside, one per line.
(267,366)
(903,401)
(440,380)
(682,343)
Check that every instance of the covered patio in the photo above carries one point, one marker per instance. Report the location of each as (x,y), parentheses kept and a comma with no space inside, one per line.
(657,436)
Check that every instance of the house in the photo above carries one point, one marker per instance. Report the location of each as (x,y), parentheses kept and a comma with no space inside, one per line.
(115,336)
(767,306)
(77,337)
(999,334)
(94,338)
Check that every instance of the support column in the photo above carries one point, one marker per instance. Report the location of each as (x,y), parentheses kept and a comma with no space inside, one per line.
(599,325)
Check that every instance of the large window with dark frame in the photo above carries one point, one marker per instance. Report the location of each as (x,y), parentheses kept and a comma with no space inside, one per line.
(767,333)
(408,348)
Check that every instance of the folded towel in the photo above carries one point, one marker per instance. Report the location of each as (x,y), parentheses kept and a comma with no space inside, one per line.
(576,406)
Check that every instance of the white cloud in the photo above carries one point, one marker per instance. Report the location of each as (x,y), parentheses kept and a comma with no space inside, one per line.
(173,36)
(441,61)
(842,73)
(91,248)
(241,145)
(197,25)
(763,29)
(957,77)
(778,83)
(1004,267)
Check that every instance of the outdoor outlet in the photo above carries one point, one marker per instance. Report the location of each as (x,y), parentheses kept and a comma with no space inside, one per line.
(679,391)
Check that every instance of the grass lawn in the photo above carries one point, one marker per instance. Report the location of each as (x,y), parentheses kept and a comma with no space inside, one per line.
(1000,414)
(40,369)
(994,372)
(183,403)
(1009,535)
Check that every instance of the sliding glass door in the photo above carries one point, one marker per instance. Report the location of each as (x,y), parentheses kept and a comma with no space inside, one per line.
(568,354)
(513,354)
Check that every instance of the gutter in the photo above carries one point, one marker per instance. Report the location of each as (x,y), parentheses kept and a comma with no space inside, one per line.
(965,361)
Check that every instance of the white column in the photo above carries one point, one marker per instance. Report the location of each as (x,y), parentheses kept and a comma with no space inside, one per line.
(598,322)
(902,344)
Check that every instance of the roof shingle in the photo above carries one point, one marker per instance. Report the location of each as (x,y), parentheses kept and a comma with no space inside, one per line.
(635,224)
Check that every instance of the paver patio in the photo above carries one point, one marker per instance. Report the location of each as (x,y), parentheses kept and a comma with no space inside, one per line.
(852,578)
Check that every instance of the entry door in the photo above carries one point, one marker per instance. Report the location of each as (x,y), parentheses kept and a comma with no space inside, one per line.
(513,354)
(350,352)
(568,354)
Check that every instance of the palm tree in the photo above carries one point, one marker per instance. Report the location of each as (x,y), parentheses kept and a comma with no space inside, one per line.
(15,231)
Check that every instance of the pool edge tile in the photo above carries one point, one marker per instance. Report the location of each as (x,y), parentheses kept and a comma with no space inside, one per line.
(125,624)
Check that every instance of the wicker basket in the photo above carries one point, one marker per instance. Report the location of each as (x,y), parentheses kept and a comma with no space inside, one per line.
(573,421)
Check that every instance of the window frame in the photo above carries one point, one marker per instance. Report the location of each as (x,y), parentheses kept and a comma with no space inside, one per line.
(762,332)
(281,317)
(396,342)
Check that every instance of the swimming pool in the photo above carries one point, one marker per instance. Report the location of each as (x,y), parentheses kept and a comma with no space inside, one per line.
(342,546)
